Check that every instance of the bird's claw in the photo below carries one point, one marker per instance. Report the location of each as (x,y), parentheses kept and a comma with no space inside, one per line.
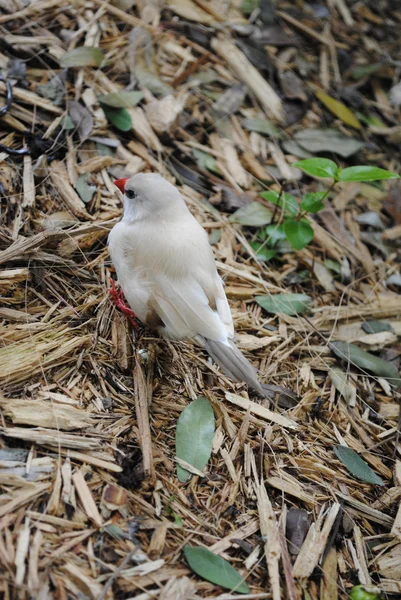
(118,299)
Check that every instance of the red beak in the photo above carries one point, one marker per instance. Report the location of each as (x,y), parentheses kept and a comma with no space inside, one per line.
(120,183)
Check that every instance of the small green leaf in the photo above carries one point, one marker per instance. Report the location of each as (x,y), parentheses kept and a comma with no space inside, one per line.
(205,161)
(317,167)
(354,355)
(119,117)
(356,465)
(312,202)
(253,215)
(361,71)
(286,304)
(376,326)
(339,110)
(121,99)
(298,233)
(194,436)
(359,592)
(262,252)
(275,232)
(285,201)
(366,173)
(213,568)
(85,190)
(214,237)
(333,265)
(83,56)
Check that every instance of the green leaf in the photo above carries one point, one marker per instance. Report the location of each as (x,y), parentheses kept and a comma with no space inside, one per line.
(356,465)
(85,190)
(204,160)
(260,126)
(121,99)
(285,201)
(312,202)
(333,265)
(354,355)
(275,232)
(194,436)
(298,233)
(262,252)
(359,592)
(119,117)
(213,568)
(339,110)
(214,237)
(253,215)
(361,71)
(248,6)
(366,173)
(376,326)
(83,56)
(286,304)
(317,167)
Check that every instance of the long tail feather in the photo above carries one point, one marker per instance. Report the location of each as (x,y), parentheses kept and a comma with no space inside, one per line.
(233,363)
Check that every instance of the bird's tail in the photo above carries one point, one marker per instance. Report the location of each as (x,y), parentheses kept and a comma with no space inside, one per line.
(233,363)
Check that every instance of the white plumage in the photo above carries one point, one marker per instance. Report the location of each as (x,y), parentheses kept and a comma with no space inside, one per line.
(166,269)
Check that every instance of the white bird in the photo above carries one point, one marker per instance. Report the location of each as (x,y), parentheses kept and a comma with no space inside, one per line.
(167,271)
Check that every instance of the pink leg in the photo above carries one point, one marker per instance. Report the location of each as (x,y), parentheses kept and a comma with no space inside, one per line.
(118,299)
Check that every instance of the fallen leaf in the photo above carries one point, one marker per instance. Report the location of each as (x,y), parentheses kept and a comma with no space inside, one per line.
(260,126)
(83,56)
(252,215)
(327,140)
(85,191)
(291,86)
(296,528)
(213,568)
(230,101)
(356,465)
(339,110)
(349,353)
(194,436)
(119,117)
(121,99)
(376,326)
(287,304)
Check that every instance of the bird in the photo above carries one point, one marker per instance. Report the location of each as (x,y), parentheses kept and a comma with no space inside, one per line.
(167,271)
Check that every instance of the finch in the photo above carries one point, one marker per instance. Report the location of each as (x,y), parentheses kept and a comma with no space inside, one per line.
(167,271)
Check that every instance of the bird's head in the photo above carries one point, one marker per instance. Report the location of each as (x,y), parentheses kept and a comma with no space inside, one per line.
(147,195)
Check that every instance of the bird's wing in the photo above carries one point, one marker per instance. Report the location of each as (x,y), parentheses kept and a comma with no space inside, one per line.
(184,308)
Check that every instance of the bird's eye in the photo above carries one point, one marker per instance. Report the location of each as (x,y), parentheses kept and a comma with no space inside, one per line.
(130,194)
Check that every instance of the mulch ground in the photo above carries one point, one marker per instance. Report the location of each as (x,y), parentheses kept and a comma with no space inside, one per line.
(90,504)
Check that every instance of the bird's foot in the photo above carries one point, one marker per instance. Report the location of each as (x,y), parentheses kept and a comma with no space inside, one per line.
(118,299)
